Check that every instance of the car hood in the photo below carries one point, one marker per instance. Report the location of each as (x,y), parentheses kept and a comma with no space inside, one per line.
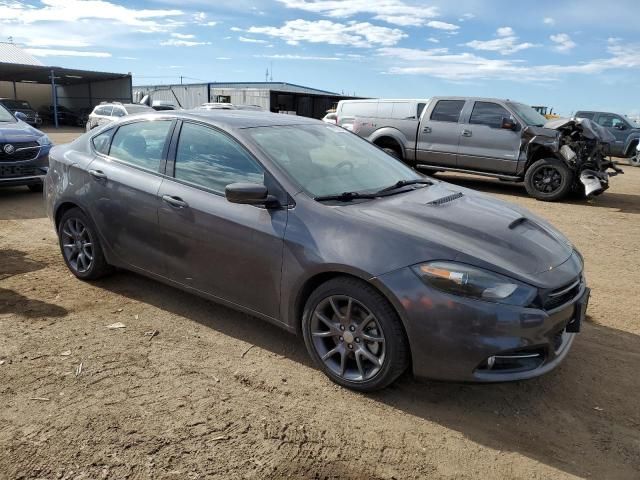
(468,227)
(18,132)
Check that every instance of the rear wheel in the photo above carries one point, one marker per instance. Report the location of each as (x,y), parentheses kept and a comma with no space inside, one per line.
(81,247)
(354,335)
(393,152)
(548,179)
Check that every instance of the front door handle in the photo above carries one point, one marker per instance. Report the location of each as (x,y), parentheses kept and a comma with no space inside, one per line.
(466,133)
(426,129)
(175,201)
(98,174)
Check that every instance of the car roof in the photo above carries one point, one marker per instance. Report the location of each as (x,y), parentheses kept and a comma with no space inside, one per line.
(243,118)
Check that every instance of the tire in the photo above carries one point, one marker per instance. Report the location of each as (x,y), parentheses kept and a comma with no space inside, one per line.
(548,180)
(634,161)
(370,339)
(36,187)
(78,238)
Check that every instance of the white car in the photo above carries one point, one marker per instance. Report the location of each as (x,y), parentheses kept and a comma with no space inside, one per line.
(331,117)
(107,112)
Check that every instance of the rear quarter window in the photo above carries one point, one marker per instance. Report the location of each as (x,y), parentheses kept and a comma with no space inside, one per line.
(102,142)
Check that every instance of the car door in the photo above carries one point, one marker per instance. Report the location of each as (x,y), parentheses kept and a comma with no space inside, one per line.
(123,190)
(228,250)
(618,128)
(439,132)
(486,146)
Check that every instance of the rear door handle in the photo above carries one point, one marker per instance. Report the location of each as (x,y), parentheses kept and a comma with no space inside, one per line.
(98,174)
(466,133)
(426,129)
(175,201)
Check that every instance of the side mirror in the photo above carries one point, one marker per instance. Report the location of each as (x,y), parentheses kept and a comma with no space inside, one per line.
(249,194)
(508,124)
(20,116)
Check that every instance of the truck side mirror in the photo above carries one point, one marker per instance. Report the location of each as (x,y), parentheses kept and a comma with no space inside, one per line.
(508,124)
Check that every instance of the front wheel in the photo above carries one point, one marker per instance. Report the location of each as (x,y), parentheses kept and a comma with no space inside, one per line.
(80,246)
(548,180)
(634,161)
(354,335)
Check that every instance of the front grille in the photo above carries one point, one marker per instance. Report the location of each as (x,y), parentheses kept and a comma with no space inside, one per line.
(21,151)
(7,171)
(562,295)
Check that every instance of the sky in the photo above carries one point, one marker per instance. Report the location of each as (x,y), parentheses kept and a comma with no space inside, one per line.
(565,54)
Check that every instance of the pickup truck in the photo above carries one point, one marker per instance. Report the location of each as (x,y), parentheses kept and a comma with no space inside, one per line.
(491,137)
(626,131)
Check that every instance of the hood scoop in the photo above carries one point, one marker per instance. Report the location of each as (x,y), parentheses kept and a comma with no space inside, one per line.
(447,199)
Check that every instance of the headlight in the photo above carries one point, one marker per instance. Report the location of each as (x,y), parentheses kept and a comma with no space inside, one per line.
(473,282)
(44,140)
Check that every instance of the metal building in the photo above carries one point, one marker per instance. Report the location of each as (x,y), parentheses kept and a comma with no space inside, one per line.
(24,77)
(272,96)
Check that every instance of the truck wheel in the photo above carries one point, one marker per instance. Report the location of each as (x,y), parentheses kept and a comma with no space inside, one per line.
(635,160)
(548,180)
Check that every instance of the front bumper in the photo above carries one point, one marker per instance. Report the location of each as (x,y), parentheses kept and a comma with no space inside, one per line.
(28,172)
(455,338)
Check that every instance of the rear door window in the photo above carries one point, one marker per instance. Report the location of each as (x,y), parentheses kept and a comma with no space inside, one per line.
(141,143)
(447,111)
(208,158)
(489,114)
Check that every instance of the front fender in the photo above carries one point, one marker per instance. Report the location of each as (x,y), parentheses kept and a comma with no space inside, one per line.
(631,143)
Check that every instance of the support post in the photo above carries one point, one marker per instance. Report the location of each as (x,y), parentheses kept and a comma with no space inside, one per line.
(15,91)
(54,97)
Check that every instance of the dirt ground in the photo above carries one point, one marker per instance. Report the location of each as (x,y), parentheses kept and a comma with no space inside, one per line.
(217,394)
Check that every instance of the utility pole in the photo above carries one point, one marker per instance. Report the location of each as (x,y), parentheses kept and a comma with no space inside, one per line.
(180,79)
(272,71)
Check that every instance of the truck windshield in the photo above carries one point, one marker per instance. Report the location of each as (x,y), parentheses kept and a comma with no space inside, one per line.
(528,114)
(328,160)
(5,115)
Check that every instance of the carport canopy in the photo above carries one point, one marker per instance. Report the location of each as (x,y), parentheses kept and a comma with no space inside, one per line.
(58,77)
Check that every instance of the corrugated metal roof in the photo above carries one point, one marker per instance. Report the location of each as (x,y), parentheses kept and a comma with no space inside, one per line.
(12,53)
(279,86)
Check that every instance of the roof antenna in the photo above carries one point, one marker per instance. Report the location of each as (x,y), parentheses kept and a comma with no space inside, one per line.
(271,72)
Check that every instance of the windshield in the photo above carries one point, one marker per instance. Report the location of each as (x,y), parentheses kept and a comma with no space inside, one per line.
(528,114)
(5,115)
(16,104)
(328,160)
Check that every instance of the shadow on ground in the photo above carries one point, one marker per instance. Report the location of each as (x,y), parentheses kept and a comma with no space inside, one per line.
(579,418)
(15,262)
(622,202)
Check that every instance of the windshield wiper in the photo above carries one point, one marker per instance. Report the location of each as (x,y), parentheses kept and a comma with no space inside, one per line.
(345,196)
(404,183)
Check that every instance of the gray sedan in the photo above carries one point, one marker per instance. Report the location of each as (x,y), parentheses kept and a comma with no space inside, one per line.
(316,230)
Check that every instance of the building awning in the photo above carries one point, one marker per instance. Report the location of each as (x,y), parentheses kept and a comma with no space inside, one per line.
(11,72)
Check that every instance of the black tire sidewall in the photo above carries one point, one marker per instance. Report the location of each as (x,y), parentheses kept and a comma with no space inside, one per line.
(561,192)
(99,267)
(396,355)
(393,152)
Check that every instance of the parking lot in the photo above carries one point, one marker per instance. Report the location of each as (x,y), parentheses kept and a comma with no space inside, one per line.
(191,389)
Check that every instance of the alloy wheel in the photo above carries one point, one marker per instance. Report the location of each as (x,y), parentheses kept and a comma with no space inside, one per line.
(77,245)
(348,338)
(547,179)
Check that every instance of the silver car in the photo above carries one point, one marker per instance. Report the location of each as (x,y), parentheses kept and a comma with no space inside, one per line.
(107,112)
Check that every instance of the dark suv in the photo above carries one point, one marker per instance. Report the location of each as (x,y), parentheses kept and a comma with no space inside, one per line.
(626,131)
(24,152)
(14,106)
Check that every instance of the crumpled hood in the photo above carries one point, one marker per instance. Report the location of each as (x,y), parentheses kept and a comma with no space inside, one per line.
(18,132)
(474,228)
